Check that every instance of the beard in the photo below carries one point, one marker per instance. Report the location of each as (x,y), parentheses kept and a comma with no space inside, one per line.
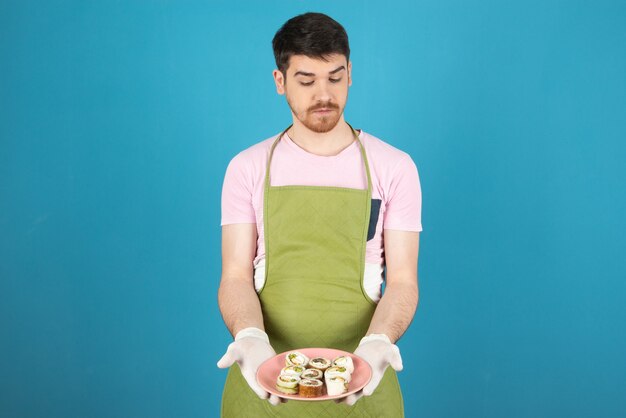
(315,122)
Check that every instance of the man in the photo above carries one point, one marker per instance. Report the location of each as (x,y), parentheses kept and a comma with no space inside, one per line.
(309,219)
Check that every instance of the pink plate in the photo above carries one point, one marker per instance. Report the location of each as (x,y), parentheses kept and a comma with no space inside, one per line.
(270,370)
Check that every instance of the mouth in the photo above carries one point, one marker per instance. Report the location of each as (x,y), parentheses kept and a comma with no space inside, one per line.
(323,110)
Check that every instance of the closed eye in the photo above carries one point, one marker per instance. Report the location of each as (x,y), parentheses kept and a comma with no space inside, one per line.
(332,80)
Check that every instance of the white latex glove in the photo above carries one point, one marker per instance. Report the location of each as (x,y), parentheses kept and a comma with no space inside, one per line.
(379,352)
(250,349)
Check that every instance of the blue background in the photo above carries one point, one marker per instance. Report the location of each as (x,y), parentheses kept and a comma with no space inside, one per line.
(117,121)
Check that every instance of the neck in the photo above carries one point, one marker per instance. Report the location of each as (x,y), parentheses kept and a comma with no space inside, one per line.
(324,144)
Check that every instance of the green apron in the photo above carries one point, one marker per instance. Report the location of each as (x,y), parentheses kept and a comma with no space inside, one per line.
(313,295)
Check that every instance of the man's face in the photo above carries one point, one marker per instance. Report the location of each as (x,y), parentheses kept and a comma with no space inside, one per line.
(316,90)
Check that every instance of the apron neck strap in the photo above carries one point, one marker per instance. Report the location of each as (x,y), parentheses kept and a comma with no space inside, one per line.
(356,137)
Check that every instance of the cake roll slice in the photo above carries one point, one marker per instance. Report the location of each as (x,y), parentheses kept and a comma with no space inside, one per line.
(296,358)
(310,388)
(292,371)
(288,384)
(336,385)
(320,363)
(344,361)
(337,371)
(312,374)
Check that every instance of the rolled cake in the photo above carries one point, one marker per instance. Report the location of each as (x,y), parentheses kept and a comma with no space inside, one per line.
(292,371)
(296,358)
(344,361)
(312,374)
(336,385)
(320,363)
(310,388)
(288,384)
(337,371)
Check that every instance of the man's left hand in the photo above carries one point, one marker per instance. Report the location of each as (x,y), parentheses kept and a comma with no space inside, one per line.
(379,352)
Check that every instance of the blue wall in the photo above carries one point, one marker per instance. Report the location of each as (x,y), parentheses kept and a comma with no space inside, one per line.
(117,121)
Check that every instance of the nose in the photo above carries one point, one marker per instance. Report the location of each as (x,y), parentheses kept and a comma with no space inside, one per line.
(322,91)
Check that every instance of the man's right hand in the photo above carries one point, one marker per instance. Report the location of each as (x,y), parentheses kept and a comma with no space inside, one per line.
(250,349)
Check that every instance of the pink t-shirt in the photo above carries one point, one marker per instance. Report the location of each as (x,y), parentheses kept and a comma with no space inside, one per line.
(395,183)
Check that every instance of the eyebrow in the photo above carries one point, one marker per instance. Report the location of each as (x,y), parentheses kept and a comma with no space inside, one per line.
(336,70)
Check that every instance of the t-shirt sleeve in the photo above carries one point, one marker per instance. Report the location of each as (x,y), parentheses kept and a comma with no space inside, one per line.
(404,205)
(237,190)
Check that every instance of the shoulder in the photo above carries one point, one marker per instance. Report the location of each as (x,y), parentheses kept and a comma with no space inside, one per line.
(253,159)
(383,154)
(256,153)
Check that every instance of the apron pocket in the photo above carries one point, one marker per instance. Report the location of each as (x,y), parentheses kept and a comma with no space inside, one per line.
(371,230)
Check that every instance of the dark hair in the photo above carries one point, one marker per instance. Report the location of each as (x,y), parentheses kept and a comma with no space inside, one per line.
(315,35)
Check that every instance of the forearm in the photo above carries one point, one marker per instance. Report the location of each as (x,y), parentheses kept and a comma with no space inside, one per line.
(395,310)
(240,306)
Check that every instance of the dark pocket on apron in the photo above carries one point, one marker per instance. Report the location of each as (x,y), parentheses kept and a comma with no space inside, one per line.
(371,231)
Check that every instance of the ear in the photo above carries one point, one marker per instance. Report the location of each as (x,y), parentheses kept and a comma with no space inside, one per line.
(279,80)
(349,73)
